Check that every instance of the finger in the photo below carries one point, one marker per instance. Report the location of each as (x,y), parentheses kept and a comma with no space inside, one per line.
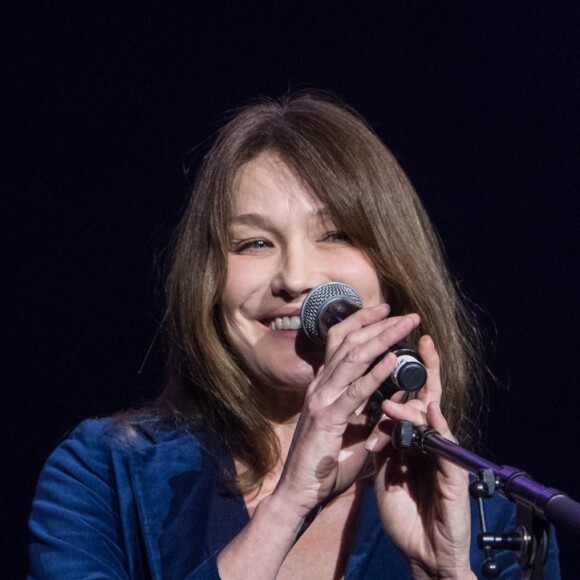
(358,391)
(436,420)
(413,411)
(362,318)
(363,325)
(432,390)
(380,437)
(361,348)
(399,396)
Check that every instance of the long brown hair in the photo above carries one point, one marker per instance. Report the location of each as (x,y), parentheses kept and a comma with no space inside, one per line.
(335,155)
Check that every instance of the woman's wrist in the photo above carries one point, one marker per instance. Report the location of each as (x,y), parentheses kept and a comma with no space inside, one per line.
(272,524)
(287,518)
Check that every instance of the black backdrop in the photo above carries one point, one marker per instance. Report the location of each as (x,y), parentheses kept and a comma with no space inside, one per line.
(103,102)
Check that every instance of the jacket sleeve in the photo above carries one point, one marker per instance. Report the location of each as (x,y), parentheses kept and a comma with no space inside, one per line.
(78,528)
(75,529)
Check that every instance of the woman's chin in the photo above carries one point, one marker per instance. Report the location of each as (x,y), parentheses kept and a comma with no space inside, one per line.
(291,379)
(287,365)
(283,400)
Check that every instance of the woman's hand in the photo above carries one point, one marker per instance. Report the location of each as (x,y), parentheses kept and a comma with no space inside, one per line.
(423,500)
(327,451)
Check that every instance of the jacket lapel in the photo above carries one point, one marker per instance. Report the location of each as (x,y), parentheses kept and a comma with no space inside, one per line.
(171,481)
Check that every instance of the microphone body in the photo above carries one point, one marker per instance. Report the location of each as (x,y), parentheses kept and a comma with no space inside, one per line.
(330,303)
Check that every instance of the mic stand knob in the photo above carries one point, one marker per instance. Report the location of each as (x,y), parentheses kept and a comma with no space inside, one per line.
(480,489)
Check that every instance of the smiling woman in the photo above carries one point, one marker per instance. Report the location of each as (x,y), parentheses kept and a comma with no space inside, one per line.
(283,245)
(258,460)
(329,152)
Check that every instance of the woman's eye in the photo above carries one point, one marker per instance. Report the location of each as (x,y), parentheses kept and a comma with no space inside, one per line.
(336,236)
(246,246)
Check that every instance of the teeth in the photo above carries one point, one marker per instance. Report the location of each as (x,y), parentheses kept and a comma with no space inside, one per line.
(286,323)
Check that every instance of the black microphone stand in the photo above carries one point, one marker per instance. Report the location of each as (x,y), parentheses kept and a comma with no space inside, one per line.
(537,506)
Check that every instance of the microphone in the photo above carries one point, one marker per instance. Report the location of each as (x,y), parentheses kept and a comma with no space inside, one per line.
(330,303)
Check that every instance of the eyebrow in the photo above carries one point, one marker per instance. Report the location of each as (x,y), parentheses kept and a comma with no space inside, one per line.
(250,219)
(255,219)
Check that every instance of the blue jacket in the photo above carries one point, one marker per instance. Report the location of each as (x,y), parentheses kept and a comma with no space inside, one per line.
(116,502)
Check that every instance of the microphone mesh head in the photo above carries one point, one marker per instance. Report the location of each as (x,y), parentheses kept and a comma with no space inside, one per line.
(317,300)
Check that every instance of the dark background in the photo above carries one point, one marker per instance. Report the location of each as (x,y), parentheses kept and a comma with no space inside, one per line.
(103,103)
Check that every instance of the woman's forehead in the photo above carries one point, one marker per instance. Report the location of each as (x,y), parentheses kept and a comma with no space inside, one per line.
(266,182)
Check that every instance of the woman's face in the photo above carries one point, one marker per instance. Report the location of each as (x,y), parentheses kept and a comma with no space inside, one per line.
(283,244)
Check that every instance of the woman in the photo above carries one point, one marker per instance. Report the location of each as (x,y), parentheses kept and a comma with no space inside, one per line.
(259,461)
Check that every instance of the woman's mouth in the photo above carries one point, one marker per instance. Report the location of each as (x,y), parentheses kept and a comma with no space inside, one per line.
(285,323)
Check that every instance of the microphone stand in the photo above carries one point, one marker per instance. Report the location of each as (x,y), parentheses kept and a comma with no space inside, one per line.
(537,506)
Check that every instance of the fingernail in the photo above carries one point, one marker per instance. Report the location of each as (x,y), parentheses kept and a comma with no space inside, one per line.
(371,442)
(380,307)
(386,404)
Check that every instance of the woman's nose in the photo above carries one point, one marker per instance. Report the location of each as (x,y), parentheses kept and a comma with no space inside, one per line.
(299,270)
